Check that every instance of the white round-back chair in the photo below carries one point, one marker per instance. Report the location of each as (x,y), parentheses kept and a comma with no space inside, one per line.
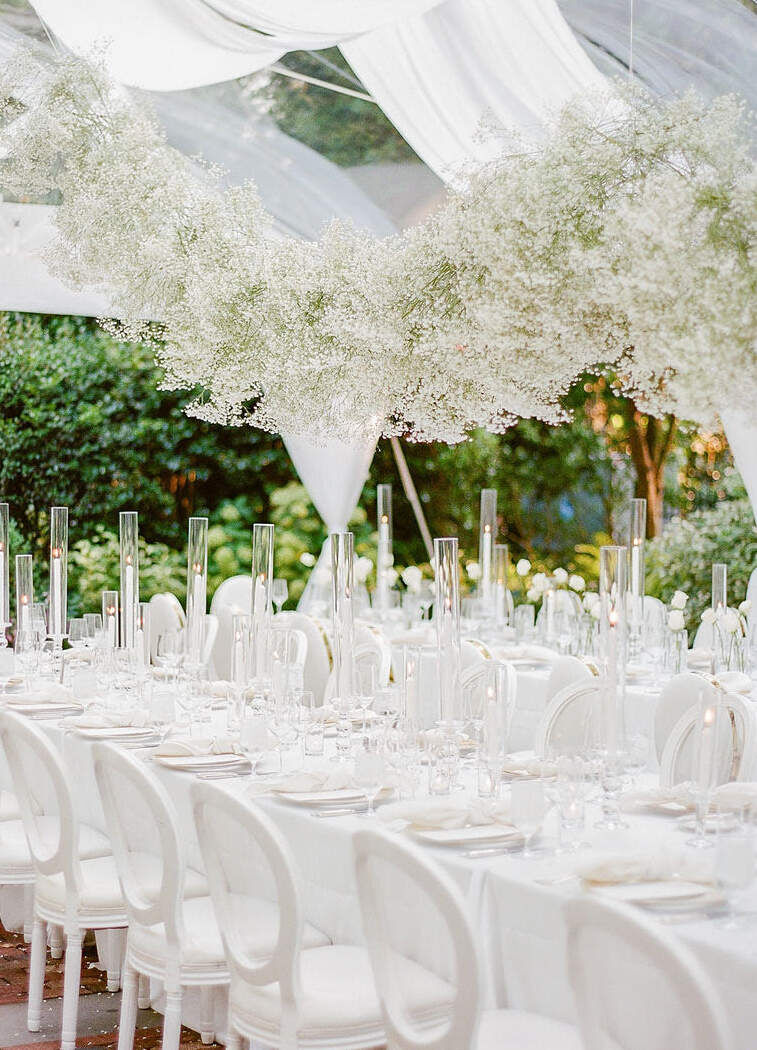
(636,987)
(566,670)
(317,664)
(76,883)
(296,991)
(568,724)
(425,959)
(735,745)
(172,934)
(679,693)
(166,615)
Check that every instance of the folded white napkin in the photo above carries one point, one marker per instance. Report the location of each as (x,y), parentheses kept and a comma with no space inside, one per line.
(45,693)
(335,779)
(735,795)
(611,869)
(186,747)
(523,764)
(679,795)
(734,682)
(99,719)
(445,813)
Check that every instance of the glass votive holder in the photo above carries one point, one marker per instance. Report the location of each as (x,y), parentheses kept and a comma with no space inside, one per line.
(315,725)
(523,622)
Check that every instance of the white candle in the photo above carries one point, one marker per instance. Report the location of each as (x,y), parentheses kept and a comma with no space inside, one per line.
(141,655)
(25,612)
(129,610)
(382,566)
(198,609)
(412,709)
(56,595)
(491,725)
(486,563)
(111,625)
(611,685)
(706,747)
(3,588)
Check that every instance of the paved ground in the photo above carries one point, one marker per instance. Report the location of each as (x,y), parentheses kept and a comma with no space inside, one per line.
(98,1009)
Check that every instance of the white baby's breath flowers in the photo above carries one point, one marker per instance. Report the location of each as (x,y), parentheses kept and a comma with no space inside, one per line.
(473,569)
(412,577)
(577,583)
(523,567)
(676,621)
(560,577)
(679,599)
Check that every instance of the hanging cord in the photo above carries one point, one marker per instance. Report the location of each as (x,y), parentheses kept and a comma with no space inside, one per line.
(630,40)
(284,71)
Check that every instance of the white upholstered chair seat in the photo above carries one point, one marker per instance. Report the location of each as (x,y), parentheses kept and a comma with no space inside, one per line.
(100,898)
(202,946)
(15,859)
(338,1003)
(9,806)
(519,1030)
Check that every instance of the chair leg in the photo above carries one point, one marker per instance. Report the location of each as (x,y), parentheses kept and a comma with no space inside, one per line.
(172,1021)
(71,979)
(56,941)
(28,911)
(36,975)
(143,992)
(128,1019)
(206,1014)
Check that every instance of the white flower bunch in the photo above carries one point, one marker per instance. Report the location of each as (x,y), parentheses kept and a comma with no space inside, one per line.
(307,559)
(745,607)
(412,577)
(676,620)
(523,567)
(577,583)
(679,600)
(540,583)
(363,568)
(560,577)
(591,601)
(473,570)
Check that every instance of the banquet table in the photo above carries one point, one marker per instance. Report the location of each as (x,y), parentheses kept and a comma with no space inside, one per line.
(518,920)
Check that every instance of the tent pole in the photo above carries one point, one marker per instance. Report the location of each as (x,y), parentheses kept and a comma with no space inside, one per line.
(412,494)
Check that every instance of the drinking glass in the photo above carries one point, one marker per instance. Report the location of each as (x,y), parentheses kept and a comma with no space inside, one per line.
(369,770)
(365,687)
(27,653)
(93,623)
(523,621)
(77,633)
(285,726)
(279,593)
(170,650)
(314,724)
(528,809)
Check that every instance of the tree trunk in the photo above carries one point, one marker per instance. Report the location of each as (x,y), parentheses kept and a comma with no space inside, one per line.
(651,441)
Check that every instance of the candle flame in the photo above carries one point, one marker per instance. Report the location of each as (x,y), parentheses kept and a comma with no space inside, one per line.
(24,599)
(384,519)
(197,568)
(128,559)
(487,528)
(56,553)
(613,617)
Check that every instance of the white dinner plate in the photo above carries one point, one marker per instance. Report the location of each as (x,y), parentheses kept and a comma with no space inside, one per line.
(470,836)
(342,797)
(667,895)
(114,732)
(200,763)
(47,710)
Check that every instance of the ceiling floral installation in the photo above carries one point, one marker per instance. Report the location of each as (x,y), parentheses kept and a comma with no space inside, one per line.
(626,239)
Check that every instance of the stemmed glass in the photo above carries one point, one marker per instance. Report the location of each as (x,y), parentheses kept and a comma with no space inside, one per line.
(170,651)
(27,652)
(279,593)
(528,809)
(369,770)
(365,680)
(93,623)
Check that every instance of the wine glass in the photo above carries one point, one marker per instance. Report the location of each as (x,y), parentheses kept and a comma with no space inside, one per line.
(365,680)
(93,623)
(369,770)
(279,593)
(170,650)
(27,652)
(77,633)
(528,808)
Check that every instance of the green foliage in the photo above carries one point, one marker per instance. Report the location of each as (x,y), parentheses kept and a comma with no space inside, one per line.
(683,556)
(93,566)
(345,130)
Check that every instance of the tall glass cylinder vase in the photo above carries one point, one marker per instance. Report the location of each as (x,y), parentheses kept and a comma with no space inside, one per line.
(58,594)
(5,607)
(385,554)
(24,592)
(719,588)
(262,599)
(342,590)
(447,620)
(636,575)
(197,586)
(501,589)
(110,618)
(487,534)
(128,527)
(411,678)
(143,637)
(613,561)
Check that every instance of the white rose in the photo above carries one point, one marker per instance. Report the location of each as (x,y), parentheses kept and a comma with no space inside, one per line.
(731,621)
(412,577)
(708,616)
(745,608)
(540,582)
(591,598)
(523,567)
(392,576)
(532,594)
(576,582)
(679,599)
(561,577)
(363,569)
(308,559)
(473,569)
(676,621)
(595,610)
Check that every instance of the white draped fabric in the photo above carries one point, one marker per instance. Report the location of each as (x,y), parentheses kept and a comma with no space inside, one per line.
(740,428)
(435,68)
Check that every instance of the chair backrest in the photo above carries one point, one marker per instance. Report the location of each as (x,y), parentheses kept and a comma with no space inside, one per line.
(143,829)
(635,986)
(678,694)
(568,723)
(566,670)
(166,614)
(751,591)
(44,799)
(236,591)
(231,597)
(736,745)
(318,657)
(370,653)
(289,642)
(233,835)
(372,636)
(474,681)
(394,878)
(472,653)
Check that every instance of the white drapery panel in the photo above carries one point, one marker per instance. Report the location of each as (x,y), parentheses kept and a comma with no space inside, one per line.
(436,67)
(740,426)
